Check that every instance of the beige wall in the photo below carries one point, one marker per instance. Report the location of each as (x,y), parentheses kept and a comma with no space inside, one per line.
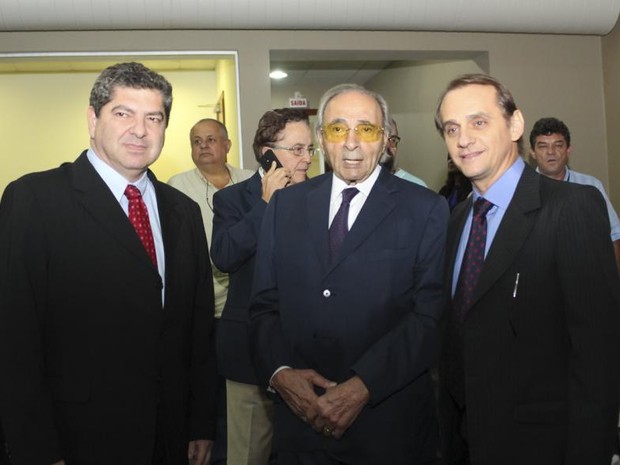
(548,74)
(611,70)
(191,91)
(46,124)
(226,78)
(412,93)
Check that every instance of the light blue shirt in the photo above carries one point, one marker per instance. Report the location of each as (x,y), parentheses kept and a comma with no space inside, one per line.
(586,179)
(117,184)
(407,176)
(500,195)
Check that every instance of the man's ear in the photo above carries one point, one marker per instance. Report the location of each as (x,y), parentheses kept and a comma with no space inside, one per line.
(92,121)
(517,125)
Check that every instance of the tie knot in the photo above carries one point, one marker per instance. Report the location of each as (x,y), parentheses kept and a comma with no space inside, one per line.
(348,194)
(481,207)
(132,192)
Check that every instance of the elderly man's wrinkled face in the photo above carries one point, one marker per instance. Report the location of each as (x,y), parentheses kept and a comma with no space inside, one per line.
(295,135)
(352,135)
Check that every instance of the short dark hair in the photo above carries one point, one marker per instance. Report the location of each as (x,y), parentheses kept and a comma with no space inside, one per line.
(270,125)
(504,97)
(548,126)
(133,75)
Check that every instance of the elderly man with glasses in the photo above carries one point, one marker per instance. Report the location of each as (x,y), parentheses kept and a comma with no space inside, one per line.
(346,297)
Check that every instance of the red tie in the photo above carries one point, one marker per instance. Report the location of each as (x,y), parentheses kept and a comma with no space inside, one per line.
(139,219)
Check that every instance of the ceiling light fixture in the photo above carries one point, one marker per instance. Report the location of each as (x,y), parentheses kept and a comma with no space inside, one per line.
(277,74)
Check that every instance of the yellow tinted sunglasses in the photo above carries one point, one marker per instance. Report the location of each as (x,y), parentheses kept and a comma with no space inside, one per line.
(366,132)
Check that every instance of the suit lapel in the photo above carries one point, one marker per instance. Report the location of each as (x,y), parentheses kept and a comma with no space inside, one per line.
(318,218)
(378,205)
(253,187)
(457,223)
(513,231)
(96,198)
(170,219)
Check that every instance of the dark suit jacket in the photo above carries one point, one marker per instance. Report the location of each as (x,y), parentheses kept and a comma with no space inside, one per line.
(541,368)
(87,353)
(237,216)
(371,313)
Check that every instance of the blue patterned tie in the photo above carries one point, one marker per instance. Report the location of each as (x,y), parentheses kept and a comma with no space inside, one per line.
(340,224)
(472,260)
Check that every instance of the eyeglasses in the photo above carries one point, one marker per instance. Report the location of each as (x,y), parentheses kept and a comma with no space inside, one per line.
(297,150)
(394,140)
(337,132)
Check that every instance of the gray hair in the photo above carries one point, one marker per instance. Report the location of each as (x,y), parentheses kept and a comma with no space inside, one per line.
(344,88)
(214,121)
(133,75)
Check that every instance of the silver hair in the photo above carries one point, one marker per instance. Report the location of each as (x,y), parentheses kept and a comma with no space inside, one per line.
(344,88)
(214,121)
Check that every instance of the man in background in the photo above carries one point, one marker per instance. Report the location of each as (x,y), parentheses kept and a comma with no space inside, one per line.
(239,212)
(550,147)
(389,158)
(528,371)
(347,293)
(457,186)
(210,145)
(106,298)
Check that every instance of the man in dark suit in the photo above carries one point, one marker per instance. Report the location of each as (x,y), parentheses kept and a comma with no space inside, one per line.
(105,319)
(4,458)
(343,323)
(238,214)
(530,353)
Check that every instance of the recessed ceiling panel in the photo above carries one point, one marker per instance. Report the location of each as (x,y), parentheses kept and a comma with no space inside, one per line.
(529,16)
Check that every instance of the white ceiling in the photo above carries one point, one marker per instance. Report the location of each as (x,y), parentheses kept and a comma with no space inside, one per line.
(596,17)
(530,16)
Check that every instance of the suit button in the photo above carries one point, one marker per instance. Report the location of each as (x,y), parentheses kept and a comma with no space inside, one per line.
(327,293)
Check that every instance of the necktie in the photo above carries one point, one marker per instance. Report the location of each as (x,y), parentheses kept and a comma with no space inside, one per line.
(340,224)
(139,219)
(472,260)
(453,364)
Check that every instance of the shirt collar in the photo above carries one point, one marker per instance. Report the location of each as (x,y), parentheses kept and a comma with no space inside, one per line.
(566,173)
(231,175)
(338,185)
(502,190)
(113,179)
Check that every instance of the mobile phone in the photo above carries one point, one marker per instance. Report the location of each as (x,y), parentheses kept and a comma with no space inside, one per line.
(267,159)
